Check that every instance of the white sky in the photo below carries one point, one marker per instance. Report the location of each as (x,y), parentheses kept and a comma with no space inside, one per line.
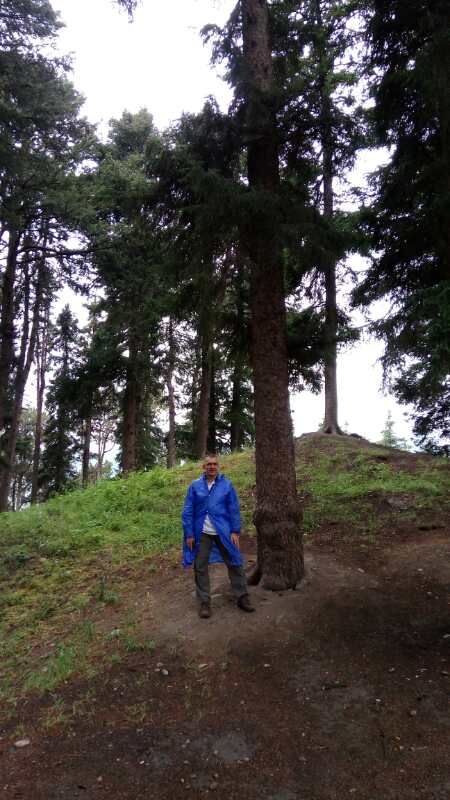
(158,62)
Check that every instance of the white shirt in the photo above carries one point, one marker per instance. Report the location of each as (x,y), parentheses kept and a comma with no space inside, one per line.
(208,526)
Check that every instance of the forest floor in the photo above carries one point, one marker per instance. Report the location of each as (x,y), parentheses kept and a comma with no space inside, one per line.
(339,689)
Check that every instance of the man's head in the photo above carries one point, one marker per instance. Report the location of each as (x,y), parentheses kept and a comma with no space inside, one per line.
(211,466)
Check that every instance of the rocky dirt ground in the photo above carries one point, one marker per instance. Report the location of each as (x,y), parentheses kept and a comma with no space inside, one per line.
(339,689)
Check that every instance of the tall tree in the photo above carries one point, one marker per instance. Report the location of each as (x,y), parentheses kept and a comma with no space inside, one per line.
(40,144)
(20,490)
(33,301)
(278,514)
(409,220)
(170,371)
(61,440)
(122,191)
(316,44)
(42,356)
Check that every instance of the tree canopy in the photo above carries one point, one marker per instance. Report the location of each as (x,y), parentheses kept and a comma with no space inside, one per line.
(213,256)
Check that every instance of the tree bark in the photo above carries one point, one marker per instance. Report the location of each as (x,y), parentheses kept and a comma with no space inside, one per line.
(42,353)
(330,424)
(278,513)
(202,419)
(7,323)
(87,432)
(17,399)
(236,428)
(130,411)
(23,367)
(236,407)
(211,444)
(14,493)
(171,441)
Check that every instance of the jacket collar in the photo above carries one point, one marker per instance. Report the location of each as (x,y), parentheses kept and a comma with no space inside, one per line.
(218,477)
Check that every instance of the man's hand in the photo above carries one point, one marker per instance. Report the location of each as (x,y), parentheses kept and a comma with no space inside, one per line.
(235,539)
(190,542)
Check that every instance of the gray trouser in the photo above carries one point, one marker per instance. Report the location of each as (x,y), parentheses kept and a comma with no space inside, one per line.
(236,574)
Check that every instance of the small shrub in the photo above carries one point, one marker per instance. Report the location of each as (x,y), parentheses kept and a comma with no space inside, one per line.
(11,599)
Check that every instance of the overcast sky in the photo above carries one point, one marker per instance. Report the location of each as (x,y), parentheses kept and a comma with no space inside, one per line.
(159,62)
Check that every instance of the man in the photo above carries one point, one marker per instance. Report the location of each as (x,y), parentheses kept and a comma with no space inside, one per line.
(211,526)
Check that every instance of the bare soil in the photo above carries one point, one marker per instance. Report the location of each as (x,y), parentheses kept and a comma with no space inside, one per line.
(339,689)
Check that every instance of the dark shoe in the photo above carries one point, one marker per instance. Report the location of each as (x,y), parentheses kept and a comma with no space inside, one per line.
(205,611)
(245,604)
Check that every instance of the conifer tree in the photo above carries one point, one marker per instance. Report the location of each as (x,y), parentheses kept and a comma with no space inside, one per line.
(409,220)
(277,515)
(320,124)
(126,256)
(40,145)
(61,440)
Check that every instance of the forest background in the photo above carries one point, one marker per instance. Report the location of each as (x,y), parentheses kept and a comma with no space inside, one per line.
(146,224)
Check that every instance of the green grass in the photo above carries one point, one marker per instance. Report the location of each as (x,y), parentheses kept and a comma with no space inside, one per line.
(343,484)
(63,564)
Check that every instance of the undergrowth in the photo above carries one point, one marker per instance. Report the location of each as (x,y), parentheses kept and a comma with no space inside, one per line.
(62,564)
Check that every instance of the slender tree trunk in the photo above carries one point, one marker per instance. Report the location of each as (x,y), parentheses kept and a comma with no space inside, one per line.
(278,513)
(201,428)
(42,354)
(19,493)
(330,424)
(40,389)
(236,407)
(13,494)
(24,362)
(212,301)
(87,433)
(211,444)
(17,399)
(236,428)
(171,441)
(59,466)
(7,323)
(130,411)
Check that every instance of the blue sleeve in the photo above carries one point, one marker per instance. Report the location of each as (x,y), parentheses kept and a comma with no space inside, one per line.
(234,510)
(187,515)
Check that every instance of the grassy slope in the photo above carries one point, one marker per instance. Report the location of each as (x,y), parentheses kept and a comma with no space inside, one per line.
(62,564)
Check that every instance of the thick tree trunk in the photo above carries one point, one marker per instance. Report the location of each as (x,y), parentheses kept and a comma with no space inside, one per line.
(278,513)
(171,440)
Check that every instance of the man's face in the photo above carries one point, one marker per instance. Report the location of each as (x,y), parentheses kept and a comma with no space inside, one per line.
(211,467)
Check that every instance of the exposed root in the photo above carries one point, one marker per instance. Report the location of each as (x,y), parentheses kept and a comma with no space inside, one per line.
(254,575)
(274,583)
(333,429)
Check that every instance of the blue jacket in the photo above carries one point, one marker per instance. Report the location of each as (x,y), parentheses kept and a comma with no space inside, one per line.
(222,505)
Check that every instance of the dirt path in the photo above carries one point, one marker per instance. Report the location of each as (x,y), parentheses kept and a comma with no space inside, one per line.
(340,689)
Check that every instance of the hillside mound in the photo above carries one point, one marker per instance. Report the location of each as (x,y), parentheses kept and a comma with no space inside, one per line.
(112,685)
(352,487)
